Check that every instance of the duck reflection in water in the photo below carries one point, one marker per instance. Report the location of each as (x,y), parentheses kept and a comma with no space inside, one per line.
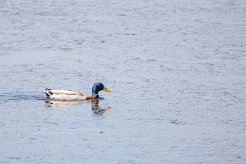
(64,104)
(96,108)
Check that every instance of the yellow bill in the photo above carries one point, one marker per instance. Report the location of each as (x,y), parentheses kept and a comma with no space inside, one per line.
(107,90)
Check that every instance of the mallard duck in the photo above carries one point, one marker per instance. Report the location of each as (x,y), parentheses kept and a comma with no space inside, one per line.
(69,95)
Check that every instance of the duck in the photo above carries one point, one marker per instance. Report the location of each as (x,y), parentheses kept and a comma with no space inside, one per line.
(70,95)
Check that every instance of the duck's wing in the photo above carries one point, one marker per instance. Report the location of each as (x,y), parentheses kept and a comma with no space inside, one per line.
(50,92)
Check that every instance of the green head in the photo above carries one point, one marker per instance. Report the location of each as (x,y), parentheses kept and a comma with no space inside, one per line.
(99,87)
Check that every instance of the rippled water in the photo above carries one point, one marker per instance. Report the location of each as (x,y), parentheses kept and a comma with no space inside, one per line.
(177,70)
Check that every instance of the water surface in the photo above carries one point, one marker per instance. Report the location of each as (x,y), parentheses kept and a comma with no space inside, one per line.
(177,70)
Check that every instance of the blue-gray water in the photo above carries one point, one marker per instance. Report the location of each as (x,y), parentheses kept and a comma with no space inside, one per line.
(177,70)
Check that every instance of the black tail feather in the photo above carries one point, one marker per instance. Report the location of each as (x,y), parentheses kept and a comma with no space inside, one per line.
(48,92)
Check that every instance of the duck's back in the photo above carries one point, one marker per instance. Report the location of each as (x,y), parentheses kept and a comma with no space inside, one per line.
(63,94)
